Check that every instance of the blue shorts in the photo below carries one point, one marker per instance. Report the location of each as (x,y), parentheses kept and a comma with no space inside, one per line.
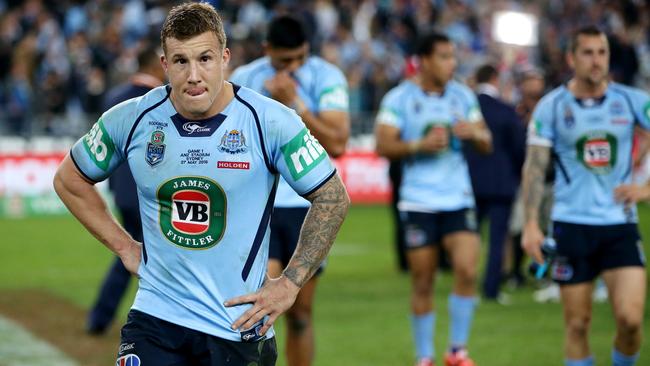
(584,251)
(147,340)
(286,223)
(422,229)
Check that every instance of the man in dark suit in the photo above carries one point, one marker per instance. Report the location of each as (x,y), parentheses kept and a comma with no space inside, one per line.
(150,74)
(495,177)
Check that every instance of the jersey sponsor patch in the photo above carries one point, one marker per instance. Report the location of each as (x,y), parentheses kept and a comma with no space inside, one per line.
(155,148)
(597,151)
(335,97)
(192,211)
(646,111)
(302,154)
(387,116)
(99,145)
(233,165)
(233,142)
(128,360)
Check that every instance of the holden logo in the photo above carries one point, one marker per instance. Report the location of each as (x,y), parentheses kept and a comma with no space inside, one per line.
(191,127)
(192,211)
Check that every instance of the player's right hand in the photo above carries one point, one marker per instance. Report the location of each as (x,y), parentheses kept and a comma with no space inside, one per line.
(131,257)
(436,140)
(531,241)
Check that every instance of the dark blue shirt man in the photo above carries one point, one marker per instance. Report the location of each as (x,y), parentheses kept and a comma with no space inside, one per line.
(149,75)
(495,177)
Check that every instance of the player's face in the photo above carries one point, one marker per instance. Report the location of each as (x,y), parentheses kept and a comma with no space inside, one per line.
(439,66)
(532,90)
(195,69)
(287,59)
(590,60)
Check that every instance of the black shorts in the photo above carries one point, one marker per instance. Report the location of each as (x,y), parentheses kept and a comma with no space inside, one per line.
(286,223)
(421,229)
(584,251)
(147,340)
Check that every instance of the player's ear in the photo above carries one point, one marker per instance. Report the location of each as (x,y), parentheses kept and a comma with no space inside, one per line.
(569,59)
(225,57)
(163,63)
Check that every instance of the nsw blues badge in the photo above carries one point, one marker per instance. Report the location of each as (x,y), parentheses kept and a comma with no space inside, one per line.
(233,142)
(155,148)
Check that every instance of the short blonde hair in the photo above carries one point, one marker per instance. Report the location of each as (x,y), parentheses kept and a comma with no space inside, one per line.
(192,19)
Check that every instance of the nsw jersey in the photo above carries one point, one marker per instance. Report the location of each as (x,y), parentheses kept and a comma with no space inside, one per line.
(432,182)
(206,191)
(592,140)
(321,85)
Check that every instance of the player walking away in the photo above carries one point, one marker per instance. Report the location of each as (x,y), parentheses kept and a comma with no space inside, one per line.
(150,75)
(425,121)
(206,156)
(317,91)
(587,127)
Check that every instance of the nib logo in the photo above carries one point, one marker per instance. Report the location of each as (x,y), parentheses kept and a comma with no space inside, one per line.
(302,154)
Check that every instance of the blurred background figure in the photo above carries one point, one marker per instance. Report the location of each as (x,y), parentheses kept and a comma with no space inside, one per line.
(150,74)
(496,176)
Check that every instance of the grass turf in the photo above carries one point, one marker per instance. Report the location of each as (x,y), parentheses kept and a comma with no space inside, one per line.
(361,309)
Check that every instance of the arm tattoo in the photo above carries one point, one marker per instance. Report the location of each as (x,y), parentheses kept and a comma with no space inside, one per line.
(537,160)
(329,207)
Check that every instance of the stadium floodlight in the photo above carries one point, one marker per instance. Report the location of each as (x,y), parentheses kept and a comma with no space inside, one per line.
(513,27)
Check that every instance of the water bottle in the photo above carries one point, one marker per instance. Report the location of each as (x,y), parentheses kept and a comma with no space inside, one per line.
(549,249)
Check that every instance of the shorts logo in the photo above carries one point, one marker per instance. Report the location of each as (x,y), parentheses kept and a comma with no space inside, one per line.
(639,245)
(302,154)
(99,146)
(597,151)
(125,347)
(233,142)
(155,148)
(470,219)
(415,237)
(128,360)
(561,271)
(192,212)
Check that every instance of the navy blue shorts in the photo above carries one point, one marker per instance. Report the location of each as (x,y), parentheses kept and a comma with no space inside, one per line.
(584,251)
(286,223)
(421,228)
(149,341)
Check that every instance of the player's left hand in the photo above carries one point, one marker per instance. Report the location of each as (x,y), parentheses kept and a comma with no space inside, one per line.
(632,193)
(465,130)
(282,87)
(274,298)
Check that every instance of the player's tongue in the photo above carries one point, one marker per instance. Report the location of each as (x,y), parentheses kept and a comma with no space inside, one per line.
(195,91)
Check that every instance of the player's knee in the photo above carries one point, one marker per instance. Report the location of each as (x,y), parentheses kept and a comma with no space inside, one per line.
(298,322)
(466,275)
(628,324)
(578,327)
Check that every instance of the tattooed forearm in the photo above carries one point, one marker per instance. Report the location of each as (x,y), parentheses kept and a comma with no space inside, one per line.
(537,160)
(329,205)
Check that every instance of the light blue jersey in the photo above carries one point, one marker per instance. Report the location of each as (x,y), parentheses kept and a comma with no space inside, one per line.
(206,190)
(321,85)
(438,182)
(592,140)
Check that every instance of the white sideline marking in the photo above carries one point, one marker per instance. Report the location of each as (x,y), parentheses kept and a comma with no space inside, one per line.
(18,347)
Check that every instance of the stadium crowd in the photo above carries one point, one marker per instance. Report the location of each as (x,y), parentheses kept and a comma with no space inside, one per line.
(58,58)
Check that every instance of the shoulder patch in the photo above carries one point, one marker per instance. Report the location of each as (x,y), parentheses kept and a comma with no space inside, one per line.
(99,145)
(302,154)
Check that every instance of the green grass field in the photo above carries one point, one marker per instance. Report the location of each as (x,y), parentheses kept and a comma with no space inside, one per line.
(362,302)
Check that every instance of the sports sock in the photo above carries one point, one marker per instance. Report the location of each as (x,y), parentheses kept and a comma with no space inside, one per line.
(461,312)
(423,327)
(619,359)
(589,361)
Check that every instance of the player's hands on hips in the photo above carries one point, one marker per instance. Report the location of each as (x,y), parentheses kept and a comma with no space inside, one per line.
(282,87)
(531,241)
(465,130)
(274,298)
(632,193)
(436,140)
(131,257)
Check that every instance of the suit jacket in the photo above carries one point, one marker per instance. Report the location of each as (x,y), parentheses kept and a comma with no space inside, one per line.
(498,174)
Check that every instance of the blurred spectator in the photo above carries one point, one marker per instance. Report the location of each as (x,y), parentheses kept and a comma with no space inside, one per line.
(496,177)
